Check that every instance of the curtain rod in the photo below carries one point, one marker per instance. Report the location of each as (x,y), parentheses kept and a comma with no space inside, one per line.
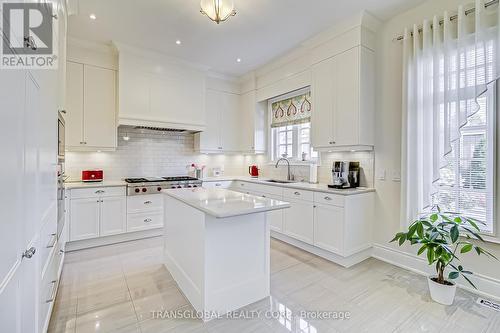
(452,18)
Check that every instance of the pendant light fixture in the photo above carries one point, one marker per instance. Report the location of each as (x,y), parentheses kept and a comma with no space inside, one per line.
(217,10)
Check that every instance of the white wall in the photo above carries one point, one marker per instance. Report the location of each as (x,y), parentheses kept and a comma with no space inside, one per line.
(388,138)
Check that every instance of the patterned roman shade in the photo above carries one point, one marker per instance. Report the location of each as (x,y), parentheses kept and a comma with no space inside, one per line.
(292,111)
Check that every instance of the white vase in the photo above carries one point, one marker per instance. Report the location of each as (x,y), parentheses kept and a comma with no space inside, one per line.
(442,293)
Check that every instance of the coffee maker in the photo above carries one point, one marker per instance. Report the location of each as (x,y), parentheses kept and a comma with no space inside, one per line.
(345,175)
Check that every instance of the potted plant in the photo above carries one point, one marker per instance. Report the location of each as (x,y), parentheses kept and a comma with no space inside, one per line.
(441,235)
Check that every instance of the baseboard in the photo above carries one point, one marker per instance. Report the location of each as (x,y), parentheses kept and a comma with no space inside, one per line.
(487,287)
(347,261)
(108,240)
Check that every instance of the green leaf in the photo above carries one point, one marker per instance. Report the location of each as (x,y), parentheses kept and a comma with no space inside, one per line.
(402,240)
(398,235)
(474,233)
(412,230)
(458,220)
(466,248)
(430,255)
(433,218)
(460,268)
(472,284)
(420,230)
(473,224)
(453,275)
(454,233)
(422,249)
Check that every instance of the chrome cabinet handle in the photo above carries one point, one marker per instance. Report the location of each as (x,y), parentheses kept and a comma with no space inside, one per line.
(148,220)
(52,242)
(29,253)
(83,142)
(53,292)
(297,193)
(328,198)
(218,184)
(99,191)
(264,196)
(148,202)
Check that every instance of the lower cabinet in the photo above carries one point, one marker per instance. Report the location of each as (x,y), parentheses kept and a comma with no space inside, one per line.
(100,214)
(112,217)
(329,228)
(144,212)
(84,219)
(298,220)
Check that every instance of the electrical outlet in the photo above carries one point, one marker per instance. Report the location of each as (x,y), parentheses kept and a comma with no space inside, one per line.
(396,176)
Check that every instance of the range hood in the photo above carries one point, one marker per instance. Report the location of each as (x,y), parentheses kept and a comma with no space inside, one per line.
(159,126)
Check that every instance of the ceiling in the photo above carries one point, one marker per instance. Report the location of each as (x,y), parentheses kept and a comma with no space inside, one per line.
(261,30)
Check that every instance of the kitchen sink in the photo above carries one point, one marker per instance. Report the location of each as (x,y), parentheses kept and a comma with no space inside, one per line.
(280,181)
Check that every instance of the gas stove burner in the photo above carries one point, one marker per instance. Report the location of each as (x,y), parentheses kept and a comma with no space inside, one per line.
(152,185)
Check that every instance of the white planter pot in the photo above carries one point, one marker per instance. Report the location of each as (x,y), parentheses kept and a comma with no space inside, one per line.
(442,293)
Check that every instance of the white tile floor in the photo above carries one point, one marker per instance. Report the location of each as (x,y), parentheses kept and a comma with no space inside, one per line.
(116,288)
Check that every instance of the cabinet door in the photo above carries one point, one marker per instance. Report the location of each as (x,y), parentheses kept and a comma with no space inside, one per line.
(74,105)
(298,220)
(100,107)
(230,124)
(113,219)
(247,120)
(324,94)
(210,137)
(84,219)
(329,228)
(346,117)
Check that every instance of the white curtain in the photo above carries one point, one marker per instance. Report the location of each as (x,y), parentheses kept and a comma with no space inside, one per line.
(446,67)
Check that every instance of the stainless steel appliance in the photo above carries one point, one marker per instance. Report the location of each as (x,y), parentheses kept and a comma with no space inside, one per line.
(152,185)
(345,174)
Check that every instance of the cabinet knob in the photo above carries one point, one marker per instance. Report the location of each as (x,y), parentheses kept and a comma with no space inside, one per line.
(147,220)
(29,253)
(297,193)
(148,202)
(328,198)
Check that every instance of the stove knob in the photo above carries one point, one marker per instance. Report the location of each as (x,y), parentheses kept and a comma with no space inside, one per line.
(159,189)
(137,190)
(179,186)
(189,186)
(195,185)
(144,189)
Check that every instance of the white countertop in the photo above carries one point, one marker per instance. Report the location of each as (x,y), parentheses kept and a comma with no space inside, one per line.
(299,185)
(223,203)
(105,183)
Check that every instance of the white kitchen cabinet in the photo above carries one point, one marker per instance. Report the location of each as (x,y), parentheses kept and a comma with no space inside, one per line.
(91,108)
(223,124)
(343,98)
(144,212)
(329,228)
(112,217)
(217,184)
(84,219)
(253,128)
(298,220)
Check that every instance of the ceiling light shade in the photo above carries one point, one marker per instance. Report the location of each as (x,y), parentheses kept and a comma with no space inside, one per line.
(217,10)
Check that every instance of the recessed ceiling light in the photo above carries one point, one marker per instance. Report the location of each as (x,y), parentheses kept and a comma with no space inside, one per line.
(238,60)
(92,16)
(178,42)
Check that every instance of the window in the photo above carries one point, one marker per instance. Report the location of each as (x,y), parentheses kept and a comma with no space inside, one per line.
(291,127)
(466,184)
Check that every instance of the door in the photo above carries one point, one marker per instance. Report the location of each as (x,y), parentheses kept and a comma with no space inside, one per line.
(346,116)
(324,95)
(99,107)
(210,138)
(298,220)
(329,228)
(74,105)
(113,219)
(84,218)
(230,124)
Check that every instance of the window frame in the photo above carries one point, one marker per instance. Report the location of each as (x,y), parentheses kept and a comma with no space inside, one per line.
(274,136)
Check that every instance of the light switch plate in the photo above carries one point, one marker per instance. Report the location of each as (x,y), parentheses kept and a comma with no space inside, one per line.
(381,174)
(396,176)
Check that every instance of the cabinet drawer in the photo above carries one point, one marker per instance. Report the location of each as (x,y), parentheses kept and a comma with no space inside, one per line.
(48,238)
(142,203)
(298,194)
(47,291)
(267,189)
(329,199)
(219,184)
(79,193)
(144,221)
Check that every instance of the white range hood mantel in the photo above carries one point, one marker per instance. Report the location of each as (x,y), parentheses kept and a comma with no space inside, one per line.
(158,91)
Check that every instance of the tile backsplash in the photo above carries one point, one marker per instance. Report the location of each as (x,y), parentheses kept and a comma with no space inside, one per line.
(157,153)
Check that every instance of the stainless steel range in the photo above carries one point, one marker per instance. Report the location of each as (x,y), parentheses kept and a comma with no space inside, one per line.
(153,185)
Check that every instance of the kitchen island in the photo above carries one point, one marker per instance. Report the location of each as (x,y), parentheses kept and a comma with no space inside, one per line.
(217,247)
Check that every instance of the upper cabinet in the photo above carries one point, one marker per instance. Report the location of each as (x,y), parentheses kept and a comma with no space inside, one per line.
(343,99)
(157,91)
(235,122)
(91,108)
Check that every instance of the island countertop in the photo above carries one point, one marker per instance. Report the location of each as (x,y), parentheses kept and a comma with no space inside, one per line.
(222,203)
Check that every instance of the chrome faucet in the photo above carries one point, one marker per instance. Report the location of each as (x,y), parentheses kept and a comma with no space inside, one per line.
(289,178)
